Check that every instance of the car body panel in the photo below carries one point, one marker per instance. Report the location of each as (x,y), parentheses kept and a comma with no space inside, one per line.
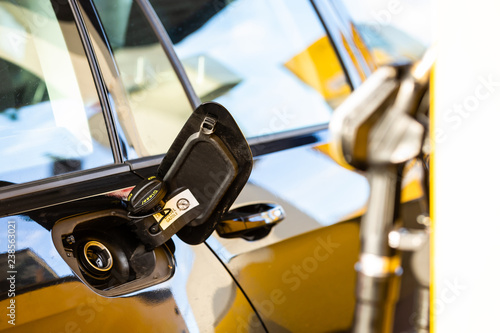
(306,264)
(284,280)
(49,297)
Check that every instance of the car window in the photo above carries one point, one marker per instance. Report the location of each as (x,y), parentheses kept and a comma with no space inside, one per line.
(157,105)
(268,61)
(394,30)
(51,121)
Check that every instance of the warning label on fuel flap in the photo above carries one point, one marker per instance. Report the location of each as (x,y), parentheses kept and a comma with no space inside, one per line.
(175,208)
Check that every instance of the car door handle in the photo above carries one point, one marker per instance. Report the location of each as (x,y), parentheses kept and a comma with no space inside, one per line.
(250,221)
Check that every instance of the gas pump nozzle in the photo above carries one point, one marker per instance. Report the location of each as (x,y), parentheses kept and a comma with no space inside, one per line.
(376,131)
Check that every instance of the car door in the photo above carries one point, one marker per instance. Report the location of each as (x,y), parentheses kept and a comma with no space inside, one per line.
(273,64)
(66,159)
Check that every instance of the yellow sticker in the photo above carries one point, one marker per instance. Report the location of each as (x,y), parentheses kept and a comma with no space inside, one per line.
(175,208)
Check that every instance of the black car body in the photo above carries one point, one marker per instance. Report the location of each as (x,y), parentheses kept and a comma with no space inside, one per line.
(85,121)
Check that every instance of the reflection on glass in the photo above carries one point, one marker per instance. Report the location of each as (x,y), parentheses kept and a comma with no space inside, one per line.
(50,116)
(389,44)
(268,62)
(394,31)
(158,105)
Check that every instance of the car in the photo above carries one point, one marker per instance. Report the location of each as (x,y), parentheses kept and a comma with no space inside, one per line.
(94,93)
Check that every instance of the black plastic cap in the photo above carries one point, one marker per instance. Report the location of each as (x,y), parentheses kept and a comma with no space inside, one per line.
(146,195)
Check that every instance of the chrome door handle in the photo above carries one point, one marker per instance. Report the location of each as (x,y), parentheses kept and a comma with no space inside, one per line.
(250,221)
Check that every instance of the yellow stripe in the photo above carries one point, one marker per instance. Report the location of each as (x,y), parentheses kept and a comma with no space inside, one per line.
(431,199)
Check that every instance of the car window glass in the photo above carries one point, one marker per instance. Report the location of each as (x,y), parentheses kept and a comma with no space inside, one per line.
(51,120)
(158,106)
(394,30)
(268,61)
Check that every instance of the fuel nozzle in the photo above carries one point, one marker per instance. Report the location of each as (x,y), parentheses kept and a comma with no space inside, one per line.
(376,131)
